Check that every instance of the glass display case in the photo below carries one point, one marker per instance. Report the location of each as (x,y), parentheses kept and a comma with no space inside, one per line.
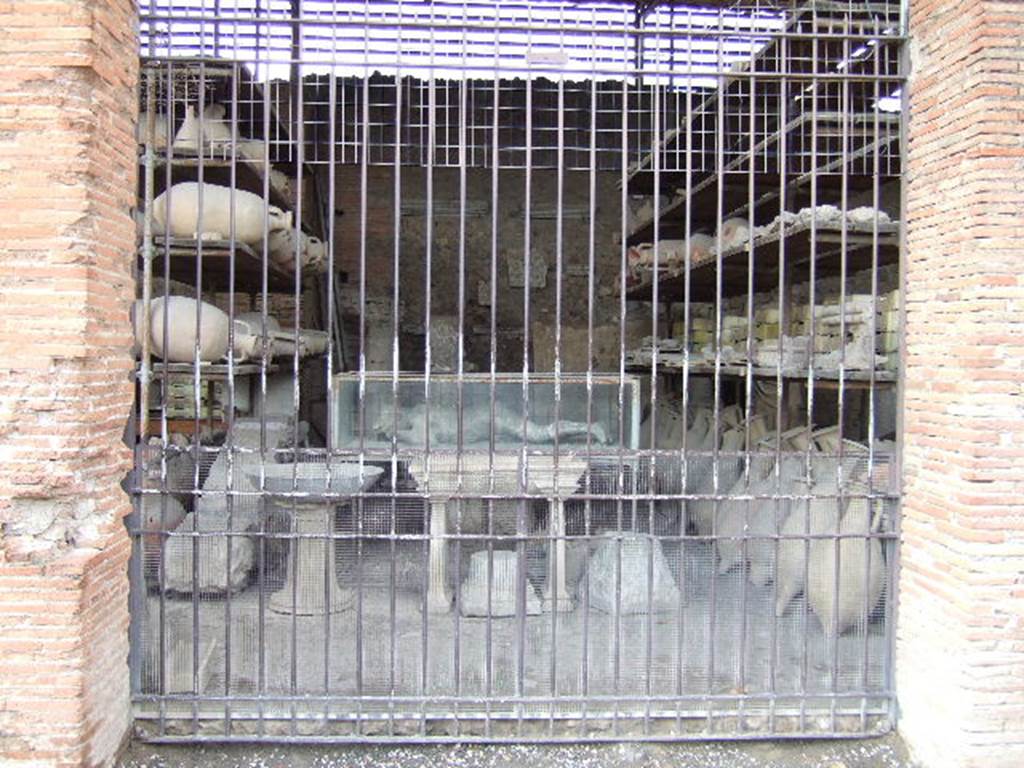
(449,407)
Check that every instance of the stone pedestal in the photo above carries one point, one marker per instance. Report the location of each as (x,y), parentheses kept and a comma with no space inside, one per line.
(310,563)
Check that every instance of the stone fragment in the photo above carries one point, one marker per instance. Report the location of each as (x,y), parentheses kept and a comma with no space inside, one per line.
(631,577)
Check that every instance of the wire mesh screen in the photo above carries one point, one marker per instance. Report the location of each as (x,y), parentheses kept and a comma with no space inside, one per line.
(516,371)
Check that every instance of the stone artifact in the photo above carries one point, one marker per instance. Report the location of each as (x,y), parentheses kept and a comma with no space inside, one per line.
(312,559)
(504,585)
(734,232)
(159,132)
(632,580)
(214,128)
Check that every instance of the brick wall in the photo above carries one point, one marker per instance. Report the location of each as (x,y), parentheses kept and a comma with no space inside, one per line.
(67,184)
(960,654)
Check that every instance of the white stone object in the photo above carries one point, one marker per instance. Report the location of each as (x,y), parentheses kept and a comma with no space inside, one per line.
(251,211)
(315,254)
(181,336)
(246,345)
(158,514)
(216,130)
(557,480)
(473,595)
(701,512)
(627,578)
(860,571)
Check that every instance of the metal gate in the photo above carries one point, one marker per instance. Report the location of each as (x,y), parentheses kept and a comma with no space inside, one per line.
(516,371)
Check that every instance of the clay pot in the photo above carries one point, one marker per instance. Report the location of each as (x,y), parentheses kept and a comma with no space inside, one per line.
(181,320)
(818,516)
(860,573)
(250,213)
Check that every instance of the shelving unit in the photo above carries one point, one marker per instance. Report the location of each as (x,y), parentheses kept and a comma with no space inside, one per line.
(217,266)
(207,370)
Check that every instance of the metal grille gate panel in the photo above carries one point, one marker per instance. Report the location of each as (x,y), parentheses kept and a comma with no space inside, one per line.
(516,371)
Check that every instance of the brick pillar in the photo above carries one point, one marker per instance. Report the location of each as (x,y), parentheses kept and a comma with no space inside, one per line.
(960,648)
(67,185)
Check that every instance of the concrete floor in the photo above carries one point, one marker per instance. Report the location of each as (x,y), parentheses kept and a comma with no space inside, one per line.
(884,752)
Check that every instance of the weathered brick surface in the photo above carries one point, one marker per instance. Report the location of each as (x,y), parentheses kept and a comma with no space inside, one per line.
(960,653)
(67,184)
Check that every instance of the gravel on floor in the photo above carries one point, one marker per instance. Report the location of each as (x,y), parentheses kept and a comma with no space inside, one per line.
(884,752)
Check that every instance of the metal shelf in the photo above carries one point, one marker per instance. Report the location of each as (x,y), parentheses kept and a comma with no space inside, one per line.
(207,371)
(183,255)
(826,248)
(827,379)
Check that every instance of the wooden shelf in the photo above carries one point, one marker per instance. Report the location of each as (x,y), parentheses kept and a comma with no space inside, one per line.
(183,256)
(827,252)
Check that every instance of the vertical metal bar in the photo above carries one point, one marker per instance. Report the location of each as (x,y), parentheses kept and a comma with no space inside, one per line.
(460,373)
(229,417)
(427,297)
(330,230)
(264,370)
(396,234)
(688,118)
(169,112)
(357,503)
(875,138)
(620,487)
(755,507)
(584,674)
(896,474)
(717,383)
(196,384)
(493,369)
(811,378)
(139,614)
(556,521)
(522,584)
(656,159)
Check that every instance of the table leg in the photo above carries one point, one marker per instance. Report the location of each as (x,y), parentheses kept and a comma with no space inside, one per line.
(556,595)
(439,596)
